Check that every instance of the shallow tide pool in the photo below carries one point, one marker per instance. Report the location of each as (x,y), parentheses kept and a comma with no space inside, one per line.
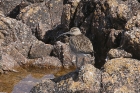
(23,80)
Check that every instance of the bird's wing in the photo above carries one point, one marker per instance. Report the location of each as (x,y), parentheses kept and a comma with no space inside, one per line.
(81,44)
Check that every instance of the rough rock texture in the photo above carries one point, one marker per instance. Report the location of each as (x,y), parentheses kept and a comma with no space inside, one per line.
(8,5)
(63,52)
(40,49)
(68,13)
(87,79)
(45,87)
(131,38)
(15,31)
(13,52)
(101,18)
(42,17)
(121,75)
(117,53)
(45,63)
(12,8)
(113,26)
(18,42)
(7,63)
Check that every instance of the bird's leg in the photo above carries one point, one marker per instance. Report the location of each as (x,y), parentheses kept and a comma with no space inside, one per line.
(76,61)
(90,58)
(83,62)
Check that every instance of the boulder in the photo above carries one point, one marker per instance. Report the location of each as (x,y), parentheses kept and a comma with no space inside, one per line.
(87,79)
(121,75)
(39,50)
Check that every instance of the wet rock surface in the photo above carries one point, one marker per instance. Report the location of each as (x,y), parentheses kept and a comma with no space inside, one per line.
(28,38)
(46,63)
(83,80)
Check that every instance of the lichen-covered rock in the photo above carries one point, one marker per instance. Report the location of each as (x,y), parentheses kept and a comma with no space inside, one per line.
(47,86)
(118,53)
(68,13)
(40,49)
(121,75)
(42,17)
(16,31)
(131,37)
(12,8)
(87,79)
(46,63)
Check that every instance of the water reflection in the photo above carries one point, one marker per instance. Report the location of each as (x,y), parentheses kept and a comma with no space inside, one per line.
(26,84)
(25,79)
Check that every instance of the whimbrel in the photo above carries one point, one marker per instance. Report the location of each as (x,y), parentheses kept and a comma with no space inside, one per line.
(79,43)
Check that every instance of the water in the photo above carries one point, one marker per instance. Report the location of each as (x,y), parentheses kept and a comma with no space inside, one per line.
(25,79)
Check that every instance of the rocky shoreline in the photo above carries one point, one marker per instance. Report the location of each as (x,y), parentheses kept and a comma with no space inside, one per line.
(28,37)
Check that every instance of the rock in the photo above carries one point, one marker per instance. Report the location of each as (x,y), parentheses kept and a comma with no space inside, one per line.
(86,79)
(8,5)
(131,37)
(40,49)
(62,51)
(47,86)
(12,8)
(46,63)
(42,17)
(13,52)
(7,63)
(114,38)
(35,1)
(117,53)
(121,75)
(17,32)
(68,13)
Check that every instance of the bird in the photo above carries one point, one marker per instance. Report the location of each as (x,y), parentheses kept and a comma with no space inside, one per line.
(79,44)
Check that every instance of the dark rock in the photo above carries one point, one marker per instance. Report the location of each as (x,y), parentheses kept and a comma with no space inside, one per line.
(35,1)
(131,37)
(12,8)
(8,5)
(68,13)
(40,49)
(121,75)
(114,38)
(117,53)
(42,17)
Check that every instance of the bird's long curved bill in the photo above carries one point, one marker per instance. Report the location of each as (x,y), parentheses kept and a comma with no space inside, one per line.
(64,34)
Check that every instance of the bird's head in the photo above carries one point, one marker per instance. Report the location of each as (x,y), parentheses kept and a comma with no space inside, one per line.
(73,31)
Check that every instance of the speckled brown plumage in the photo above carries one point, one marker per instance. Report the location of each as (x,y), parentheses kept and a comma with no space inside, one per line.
(80,44)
